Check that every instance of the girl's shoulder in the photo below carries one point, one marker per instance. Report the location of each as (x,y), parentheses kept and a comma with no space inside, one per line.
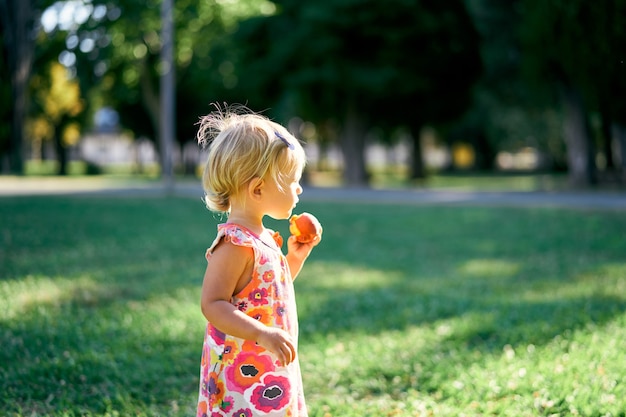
(236,234)
(242,236)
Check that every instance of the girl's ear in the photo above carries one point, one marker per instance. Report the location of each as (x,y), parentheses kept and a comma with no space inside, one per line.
(255,187)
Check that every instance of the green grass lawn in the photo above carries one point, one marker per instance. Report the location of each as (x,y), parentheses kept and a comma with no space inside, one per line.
(404,311)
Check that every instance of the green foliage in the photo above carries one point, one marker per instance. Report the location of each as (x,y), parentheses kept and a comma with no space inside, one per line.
(404,311)
(506,115)
(395,63)
(6,94)
(361,65)
(578,44)
(123,66)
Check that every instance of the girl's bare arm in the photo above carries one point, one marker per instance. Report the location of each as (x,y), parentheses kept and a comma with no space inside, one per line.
(298,252)
(228,271)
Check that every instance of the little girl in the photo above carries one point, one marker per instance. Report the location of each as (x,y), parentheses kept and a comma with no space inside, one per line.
(249,364)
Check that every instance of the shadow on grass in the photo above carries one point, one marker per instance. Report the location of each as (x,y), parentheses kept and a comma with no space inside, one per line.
(512,277)
(85,357)
(498,319)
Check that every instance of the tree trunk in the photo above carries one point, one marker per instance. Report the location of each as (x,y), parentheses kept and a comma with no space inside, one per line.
(60,150)
(619,132)
(17,18)
(580,152)
(485,154)
(607,137)
(59,147)
(167,94)
(417,159)
(149,98)
(353,149)
(327,135)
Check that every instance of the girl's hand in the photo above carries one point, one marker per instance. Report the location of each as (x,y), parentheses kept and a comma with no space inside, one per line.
(300,250)
(278,342)
(297,252)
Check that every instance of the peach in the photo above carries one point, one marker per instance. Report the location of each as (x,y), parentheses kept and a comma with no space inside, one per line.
(304,227)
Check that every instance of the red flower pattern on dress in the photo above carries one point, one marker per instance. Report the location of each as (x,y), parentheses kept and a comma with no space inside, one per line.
(261,314)
(215,389)
(202,409)
(243,413)
(217,336)
(279,313)
(231,349)
(271,394)
(227,404)
(252,347)
(278,239)
(247,370)
(268,276)
(258,297)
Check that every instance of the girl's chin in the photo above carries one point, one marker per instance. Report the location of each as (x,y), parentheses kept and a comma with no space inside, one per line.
(285,216)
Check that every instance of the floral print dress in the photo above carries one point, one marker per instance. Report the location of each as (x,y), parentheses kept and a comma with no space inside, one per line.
(239,378)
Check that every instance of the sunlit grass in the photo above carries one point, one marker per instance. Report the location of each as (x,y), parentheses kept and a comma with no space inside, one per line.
(404,311)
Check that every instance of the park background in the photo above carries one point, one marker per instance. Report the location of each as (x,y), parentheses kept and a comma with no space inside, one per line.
(467,161)
(483,86)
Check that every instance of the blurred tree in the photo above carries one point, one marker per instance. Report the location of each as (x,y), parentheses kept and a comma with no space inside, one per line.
(6,109)
(25,53)
(59,102)
(505,113)
(359,64)
(16,33)
(117,60)
(578,46)
(499,90)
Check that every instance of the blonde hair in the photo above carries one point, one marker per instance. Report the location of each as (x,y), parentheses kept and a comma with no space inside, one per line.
(244,145)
